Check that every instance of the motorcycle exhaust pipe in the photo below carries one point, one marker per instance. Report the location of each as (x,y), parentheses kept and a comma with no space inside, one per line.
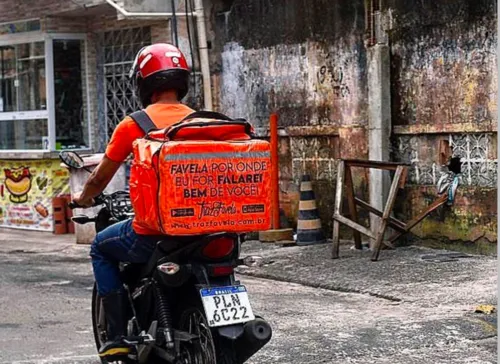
(256,334)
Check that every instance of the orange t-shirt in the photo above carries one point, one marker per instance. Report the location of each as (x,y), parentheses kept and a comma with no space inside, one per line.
(120,145)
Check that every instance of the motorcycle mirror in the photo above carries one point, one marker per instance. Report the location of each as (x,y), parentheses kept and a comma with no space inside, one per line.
(72,159)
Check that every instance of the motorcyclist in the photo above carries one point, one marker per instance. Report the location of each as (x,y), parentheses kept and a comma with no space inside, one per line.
(161,74)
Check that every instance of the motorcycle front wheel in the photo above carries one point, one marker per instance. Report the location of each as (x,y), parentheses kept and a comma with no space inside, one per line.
(99,323)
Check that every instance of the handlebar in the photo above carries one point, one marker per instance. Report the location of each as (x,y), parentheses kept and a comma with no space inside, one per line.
(73,205)
(98,200)
(118,205)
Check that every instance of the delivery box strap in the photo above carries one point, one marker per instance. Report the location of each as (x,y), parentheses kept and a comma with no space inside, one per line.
(143,120)
(175,129)
(209,115)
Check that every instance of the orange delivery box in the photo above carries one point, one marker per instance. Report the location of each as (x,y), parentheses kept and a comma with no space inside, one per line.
(202,176)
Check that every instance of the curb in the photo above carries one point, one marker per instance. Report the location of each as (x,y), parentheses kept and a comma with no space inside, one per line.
(326,286)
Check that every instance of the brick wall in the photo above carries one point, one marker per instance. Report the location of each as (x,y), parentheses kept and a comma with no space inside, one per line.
(12,10)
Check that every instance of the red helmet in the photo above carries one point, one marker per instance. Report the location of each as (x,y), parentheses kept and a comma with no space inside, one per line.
(160,67)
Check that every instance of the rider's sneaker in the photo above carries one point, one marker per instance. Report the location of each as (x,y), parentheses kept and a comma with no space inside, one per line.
(113,351)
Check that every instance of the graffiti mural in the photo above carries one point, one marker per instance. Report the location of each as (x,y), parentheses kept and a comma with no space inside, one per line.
(333,74)
(26,192)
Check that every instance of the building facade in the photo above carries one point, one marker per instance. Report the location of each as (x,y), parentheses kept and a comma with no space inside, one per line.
(64,86)
(315,63)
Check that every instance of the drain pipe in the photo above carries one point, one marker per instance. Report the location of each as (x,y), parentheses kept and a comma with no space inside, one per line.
(202,40)
(203,48)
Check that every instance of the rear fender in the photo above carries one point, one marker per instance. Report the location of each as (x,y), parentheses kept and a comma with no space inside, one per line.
(231,332)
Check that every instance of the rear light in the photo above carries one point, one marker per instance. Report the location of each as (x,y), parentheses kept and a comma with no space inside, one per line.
(219,248)
(222,271)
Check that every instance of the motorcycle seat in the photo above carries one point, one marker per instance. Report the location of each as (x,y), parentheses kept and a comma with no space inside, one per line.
(133,272)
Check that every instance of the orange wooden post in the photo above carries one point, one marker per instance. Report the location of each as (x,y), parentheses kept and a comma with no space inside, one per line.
(273,121)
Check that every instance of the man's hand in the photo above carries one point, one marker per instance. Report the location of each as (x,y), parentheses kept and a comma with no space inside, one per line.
(82,201)
(97,182)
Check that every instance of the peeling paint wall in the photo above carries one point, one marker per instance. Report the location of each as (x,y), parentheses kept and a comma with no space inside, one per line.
(459,58)
(307,60)
(444,86)
(308,83)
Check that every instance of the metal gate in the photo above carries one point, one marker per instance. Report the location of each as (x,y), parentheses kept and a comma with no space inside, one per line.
(116,53)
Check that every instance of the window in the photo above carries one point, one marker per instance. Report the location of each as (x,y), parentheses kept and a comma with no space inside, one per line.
(22,72)
(20,26)
(23,89)
(118,49)
(69,76)
(23,134)
(43,100)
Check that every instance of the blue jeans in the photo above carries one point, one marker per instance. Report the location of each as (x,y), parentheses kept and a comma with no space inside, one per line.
(115,244)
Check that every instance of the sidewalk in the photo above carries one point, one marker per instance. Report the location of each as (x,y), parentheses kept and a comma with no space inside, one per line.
(25,241)
(410,274)
(425,300)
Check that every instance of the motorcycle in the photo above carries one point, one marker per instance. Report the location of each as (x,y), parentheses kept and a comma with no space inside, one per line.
(185,306)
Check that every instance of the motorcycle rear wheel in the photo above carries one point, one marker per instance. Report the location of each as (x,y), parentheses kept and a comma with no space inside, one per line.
(209,349)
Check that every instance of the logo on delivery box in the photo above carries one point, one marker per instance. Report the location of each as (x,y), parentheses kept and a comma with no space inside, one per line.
(187,212)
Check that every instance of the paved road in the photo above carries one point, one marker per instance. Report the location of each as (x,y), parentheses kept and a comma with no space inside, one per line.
(45,318)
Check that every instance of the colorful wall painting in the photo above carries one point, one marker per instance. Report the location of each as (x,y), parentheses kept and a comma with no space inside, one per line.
(26,191)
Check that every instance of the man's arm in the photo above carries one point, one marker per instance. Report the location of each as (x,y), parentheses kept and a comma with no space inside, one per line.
(97,182)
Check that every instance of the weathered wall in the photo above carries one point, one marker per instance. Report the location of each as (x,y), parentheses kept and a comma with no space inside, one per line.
(444,86)
(306,61)
(458,56)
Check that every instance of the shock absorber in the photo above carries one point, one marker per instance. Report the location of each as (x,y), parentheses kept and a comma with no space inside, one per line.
(164,316)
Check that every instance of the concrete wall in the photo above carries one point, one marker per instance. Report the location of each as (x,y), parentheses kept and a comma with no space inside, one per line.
(307,62)
(444,87)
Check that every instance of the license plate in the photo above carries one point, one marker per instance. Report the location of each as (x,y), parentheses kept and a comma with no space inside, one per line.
(226,306)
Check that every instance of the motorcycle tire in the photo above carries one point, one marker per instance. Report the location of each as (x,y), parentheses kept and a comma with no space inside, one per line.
(96,308)
(224,353)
